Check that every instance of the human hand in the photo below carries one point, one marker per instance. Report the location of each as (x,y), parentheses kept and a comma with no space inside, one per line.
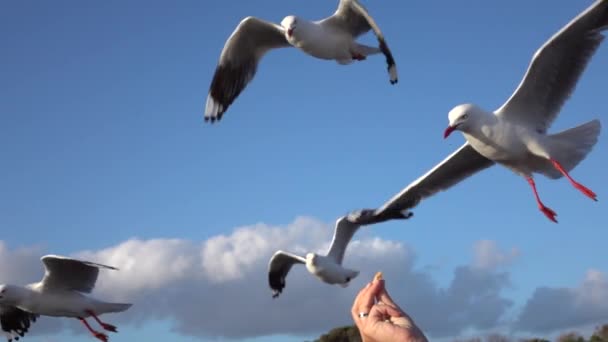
(385,320)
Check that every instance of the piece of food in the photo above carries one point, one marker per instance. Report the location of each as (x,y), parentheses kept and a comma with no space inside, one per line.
(378,276)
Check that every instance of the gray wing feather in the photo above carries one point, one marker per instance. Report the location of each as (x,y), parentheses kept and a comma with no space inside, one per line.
(343,233)
(460,165)
(15,322)
(555,69)
(278,268)
(238,62)
(70,274)
(355,19)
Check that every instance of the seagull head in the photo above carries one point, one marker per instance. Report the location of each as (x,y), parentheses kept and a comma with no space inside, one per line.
(289,23)
(359,215)
(461,118)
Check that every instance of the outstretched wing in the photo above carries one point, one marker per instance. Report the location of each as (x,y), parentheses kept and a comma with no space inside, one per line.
(238,62)
(457,167)
(354,18)
(555,69)
(343,232)
(278,267)
(15,322)
(350,18)
(70,274)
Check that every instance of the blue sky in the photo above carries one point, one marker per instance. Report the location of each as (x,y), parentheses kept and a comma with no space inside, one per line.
(102,136)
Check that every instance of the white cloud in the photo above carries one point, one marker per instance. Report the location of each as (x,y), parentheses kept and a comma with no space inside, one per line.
(489,256)
(20,265)
(550,309)
(218,287)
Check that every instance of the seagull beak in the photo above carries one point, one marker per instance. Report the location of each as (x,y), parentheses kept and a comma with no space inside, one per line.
(449,131)
(290,32)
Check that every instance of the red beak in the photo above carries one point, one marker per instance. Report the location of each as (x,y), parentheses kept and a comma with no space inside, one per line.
(448,131)
(289,32)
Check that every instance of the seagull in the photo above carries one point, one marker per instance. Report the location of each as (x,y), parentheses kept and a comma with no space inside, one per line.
(328,268)
(59,294)
(515,135)
(332,38)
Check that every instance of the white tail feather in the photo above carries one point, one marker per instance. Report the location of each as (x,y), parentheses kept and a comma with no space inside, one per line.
(112,307)
(366,50)
(571,146)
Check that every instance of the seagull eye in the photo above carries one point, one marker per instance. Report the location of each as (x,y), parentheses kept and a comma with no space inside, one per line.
(465,116)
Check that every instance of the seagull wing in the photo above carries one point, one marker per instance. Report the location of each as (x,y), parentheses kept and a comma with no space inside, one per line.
(343,232)
(354,18)
(555,69)
(70,274)
(351,17)
(238,62)
(278,267)
(15,322)
(460,165)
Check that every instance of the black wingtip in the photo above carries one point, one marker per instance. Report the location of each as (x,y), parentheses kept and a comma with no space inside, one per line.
(213,119)
(390,61)
(276,291)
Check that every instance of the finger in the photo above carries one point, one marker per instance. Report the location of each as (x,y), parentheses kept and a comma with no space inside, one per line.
(357,301)
(389,314)
(385,311)
(385,298)
(367,298)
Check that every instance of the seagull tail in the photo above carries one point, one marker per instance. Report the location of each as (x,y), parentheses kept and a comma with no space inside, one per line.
(366,50)
(113,307)
(571,146)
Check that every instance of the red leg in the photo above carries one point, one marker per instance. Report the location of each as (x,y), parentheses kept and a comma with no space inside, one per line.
(106,326)
(99,335)
(547,211)
(576,184)
(358,56)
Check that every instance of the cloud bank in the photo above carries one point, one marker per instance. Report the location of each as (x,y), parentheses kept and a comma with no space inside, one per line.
(218,287)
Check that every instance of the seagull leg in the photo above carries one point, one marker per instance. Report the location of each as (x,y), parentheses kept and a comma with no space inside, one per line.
(106,326)
(99,335)
(576,184)
(547,211)
(358,57)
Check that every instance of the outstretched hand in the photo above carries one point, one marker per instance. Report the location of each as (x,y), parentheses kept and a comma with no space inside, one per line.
(380,319)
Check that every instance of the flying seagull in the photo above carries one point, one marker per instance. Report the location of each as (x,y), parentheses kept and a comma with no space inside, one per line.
(332,38)
(328,268)
(59,294)
(515,135)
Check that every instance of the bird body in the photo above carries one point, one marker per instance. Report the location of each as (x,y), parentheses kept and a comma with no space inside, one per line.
(521,148)
(326,42)
(64,303)
(328,271)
